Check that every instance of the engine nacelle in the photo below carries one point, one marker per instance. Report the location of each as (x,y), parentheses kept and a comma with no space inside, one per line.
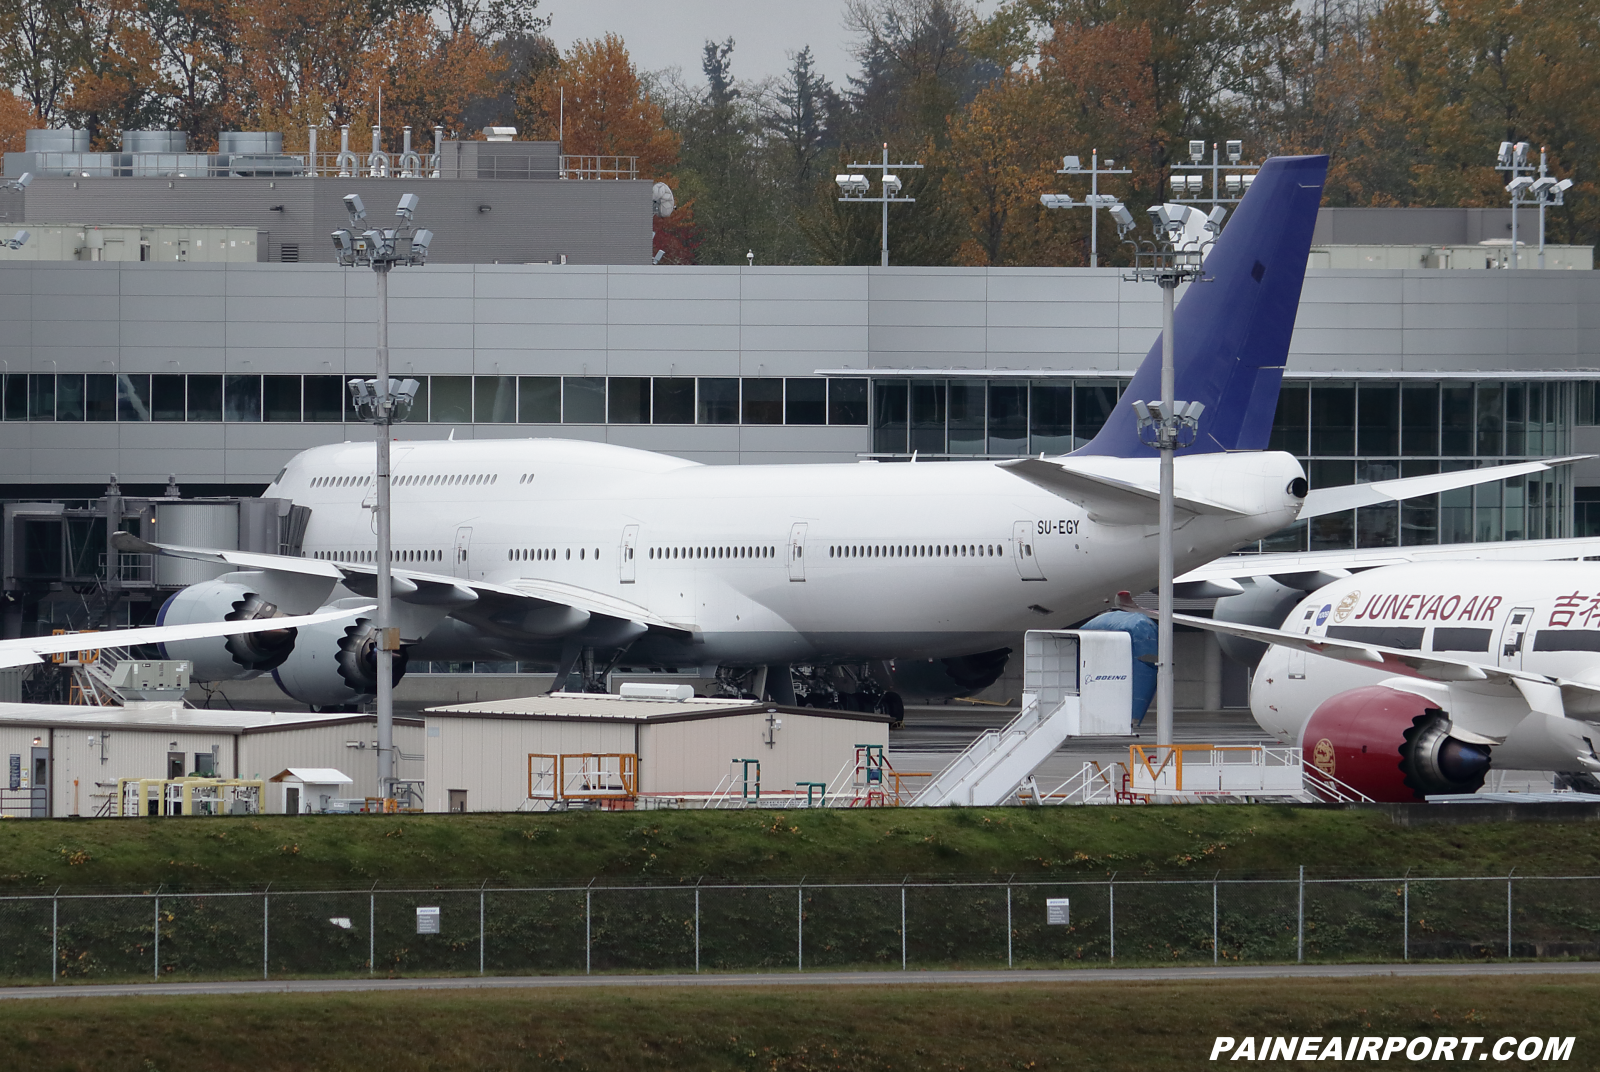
(334,664)
(940,679)
(229,658)
(1264,602)
(1392,745)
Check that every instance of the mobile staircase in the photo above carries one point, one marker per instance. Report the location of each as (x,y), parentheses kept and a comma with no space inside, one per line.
(1075,682)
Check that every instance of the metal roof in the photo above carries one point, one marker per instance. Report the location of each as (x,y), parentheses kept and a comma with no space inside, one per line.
(313,776)
(171,716)
(605,707)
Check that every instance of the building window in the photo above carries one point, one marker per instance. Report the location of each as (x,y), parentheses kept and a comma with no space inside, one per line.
(583,400)
(539,400)
(241,399)
(763,400)
(628,400)
(673,400)
(719,401)
(494,399)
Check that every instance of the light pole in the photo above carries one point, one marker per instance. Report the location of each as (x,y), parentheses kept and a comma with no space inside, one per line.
(1176,256)
(381,402)
(854,187)
(1513,157)
(1547,191)
(1229,181)
(1071,165)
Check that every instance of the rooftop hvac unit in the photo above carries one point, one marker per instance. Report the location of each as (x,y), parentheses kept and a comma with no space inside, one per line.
(155,141)
(251,142)
(61,140)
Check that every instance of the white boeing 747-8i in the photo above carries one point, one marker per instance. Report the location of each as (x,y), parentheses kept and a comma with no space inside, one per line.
(575,555)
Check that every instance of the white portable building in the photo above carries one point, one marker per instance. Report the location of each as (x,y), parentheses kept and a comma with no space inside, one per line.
(477,755)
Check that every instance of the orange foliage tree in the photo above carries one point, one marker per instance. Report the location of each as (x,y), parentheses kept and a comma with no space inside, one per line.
(608,111)
(17,117)
(1093,87)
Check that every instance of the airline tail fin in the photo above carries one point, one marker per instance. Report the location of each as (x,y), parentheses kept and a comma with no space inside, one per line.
(1232,332)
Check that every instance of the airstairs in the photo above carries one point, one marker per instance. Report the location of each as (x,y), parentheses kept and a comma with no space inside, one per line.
(1075,683)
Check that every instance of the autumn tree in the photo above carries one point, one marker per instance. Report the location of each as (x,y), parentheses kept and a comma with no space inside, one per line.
(16,119)
(608,112)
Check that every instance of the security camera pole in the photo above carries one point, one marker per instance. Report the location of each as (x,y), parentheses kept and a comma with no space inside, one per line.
(381,403)
(1168,425)
(854,187)
(1071,165)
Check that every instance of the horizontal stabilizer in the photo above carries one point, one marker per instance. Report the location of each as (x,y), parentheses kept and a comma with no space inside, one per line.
(1105,498)
(1349,496)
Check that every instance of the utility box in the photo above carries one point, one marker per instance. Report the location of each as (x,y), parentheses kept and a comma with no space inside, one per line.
(1088,672)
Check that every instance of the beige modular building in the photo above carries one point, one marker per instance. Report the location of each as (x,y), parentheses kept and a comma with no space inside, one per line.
(477,755)
(65,761)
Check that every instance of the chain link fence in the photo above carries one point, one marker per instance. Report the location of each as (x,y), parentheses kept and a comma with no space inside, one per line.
(72,936)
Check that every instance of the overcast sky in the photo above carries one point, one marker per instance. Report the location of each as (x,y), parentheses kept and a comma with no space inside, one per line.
(661,34)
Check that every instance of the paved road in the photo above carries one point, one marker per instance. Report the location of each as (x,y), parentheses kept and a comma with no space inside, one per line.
(884,978)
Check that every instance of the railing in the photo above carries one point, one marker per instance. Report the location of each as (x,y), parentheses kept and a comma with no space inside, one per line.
(796,926)
(599,167)
(23,803)
(511,163)
(134,569)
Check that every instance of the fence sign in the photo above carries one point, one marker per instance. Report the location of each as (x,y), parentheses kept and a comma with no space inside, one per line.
(1058,911)
(428,920)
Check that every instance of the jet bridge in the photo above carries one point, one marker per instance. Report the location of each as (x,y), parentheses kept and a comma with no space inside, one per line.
(1075,682)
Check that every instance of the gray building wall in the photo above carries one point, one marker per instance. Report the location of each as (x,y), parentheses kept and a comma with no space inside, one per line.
(1421,226)
(619,320)
(475,220)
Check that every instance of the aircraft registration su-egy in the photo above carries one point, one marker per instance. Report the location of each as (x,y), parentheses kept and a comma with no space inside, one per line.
(573,555)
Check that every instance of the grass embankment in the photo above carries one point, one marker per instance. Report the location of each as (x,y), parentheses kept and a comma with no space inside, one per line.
(427,851)
(1114,1027)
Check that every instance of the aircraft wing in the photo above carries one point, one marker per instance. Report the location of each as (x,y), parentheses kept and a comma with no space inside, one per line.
(1478,693)
(33,649)
(1321,501)
(1400,660)
(1310,570)
(534,609)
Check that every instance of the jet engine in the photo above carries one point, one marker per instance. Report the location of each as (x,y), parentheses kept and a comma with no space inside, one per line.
(1392,745)
(1264,602)
(225,658)
(334,665)
(941,679)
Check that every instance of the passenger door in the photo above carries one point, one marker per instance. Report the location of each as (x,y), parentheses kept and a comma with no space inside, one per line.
(630,541)
(1513,638)
(797,551)
(459,553)
(1022,552)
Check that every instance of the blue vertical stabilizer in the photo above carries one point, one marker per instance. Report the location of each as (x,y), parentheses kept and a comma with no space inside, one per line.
(1232,333)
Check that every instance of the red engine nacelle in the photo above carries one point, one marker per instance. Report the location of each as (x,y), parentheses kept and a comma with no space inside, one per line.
(1394,746)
